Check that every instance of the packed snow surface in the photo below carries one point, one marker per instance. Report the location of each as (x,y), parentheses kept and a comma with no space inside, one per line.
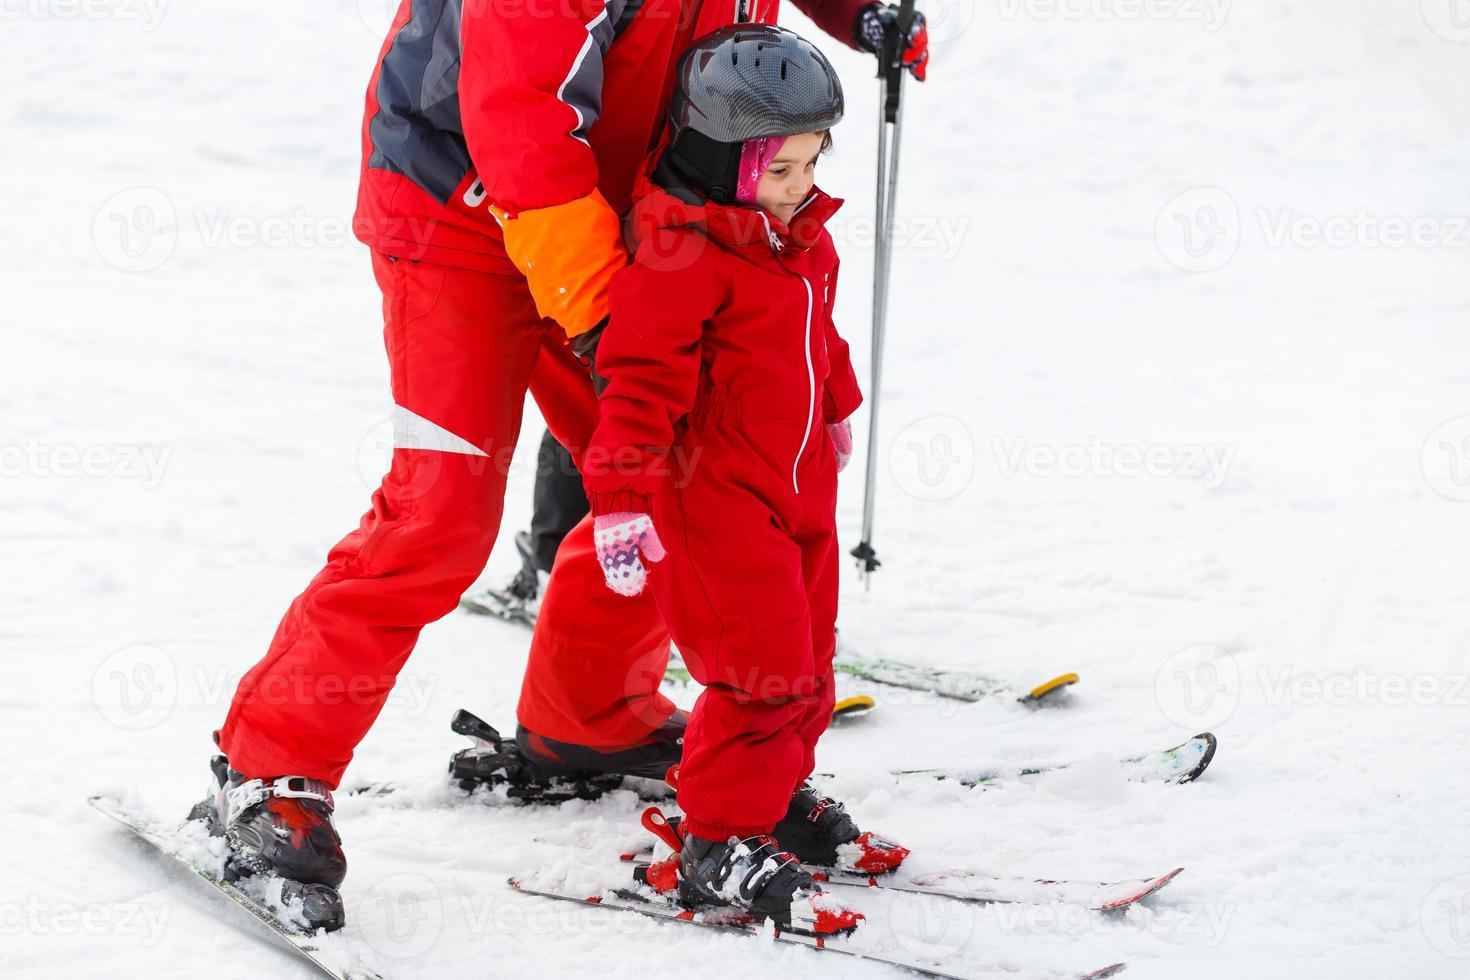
(1177,396)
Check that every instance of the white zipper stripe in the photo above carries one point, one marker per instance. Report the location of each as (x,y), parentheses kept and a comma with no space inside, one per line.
(811,380)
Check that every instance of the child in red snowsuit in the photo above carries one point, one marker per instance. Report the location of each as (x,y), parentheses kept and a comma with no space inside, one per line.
(723,427)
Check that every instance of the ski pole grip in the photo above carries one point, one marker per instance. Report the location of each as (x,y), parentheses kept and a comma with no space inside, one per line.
(892,62)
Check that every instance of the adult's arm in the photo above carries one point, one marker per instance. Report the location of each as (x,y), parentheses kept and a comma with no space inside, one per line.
(530,88)
(836,17)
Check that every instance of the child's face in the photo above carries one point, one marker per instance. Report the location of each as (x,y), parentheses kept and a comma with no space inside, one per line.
(788,179)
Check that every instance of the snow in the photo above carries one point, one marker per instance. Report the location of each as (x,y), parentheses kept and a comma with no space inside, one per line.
(193,408)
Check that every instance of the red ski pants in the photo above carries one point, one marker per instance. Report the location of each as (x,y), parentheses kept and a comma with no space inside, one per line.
(464,347)
(749,591)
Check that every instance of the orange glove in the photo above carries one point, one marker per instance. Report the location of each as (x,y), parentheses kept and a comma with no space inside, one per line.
(568,253)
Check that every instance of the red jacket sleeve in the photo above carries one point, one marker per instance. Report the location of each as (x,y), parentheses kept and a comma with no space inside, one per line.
(530,87)
(842,394)
(650,355)
(836,17)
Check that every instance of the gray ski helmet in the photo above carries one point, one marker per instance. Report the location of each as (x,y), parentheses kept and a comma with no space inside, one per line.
(750,80)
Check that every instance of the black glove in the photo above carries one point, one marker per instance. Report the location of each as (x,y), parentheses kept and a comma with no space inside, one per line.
(584,346)
(877,23)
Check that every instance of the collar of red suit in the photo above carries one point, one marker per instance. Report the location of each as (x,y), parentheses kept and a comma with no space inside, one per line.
(732,225)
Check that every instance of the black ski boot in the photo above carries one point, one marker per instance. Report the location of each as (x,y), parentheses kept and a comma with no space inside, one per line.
(753,875)
(650,757)
(542,770)
(280,833)
(519,600)
(819,831)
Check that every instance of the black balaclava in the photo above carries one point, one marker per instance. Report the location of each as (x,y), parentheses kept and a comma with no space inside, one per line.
(695,168)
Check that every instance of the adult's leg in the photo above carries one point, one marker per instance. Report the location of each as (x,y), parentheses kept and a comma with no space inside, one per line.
(597,658)
(559,501)
(461,347)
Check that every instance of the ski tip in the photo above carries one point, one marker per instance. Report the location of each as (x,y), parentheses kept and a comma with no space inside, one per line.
(1107,971)
(853,707)
(1145,888)
(1039,692)
(1207,755)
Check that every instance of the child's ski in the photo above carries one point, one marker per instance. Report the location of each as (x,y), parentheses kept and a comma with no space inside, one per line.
(632,900)
(961,885)
(1182,763)
(329,954)
(971,886)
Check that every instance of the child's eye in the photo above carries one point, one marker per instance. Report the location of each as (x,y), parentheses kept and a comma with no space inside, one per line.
(777,171)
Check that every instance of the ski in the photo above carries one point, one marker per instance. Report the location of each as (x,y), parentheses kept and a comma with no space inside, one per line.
(958,685)
(489,602)
(967,886)
(631,900)
(1178,764)
(985,889)
(190,844)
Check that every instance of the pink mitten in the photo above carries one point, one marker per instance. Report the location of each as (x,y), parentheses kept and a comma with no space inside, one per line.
(841,433)
(619,538)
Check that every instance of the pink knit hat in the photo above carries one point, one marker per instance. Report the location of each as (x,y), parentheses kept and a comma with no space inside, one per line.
(755,156)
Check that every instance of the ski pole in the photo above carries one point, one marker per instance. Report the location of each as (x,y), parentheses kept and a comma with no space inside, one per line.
(890,117)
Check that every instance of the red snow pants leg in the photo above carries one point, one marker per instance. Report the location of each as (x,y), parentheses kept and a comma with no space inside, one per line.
(597,658)
(750,596)
(462,347)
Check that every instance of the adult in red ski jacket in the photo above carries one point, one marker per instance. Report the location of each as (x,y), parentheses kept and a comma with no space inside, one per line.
(500,143)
